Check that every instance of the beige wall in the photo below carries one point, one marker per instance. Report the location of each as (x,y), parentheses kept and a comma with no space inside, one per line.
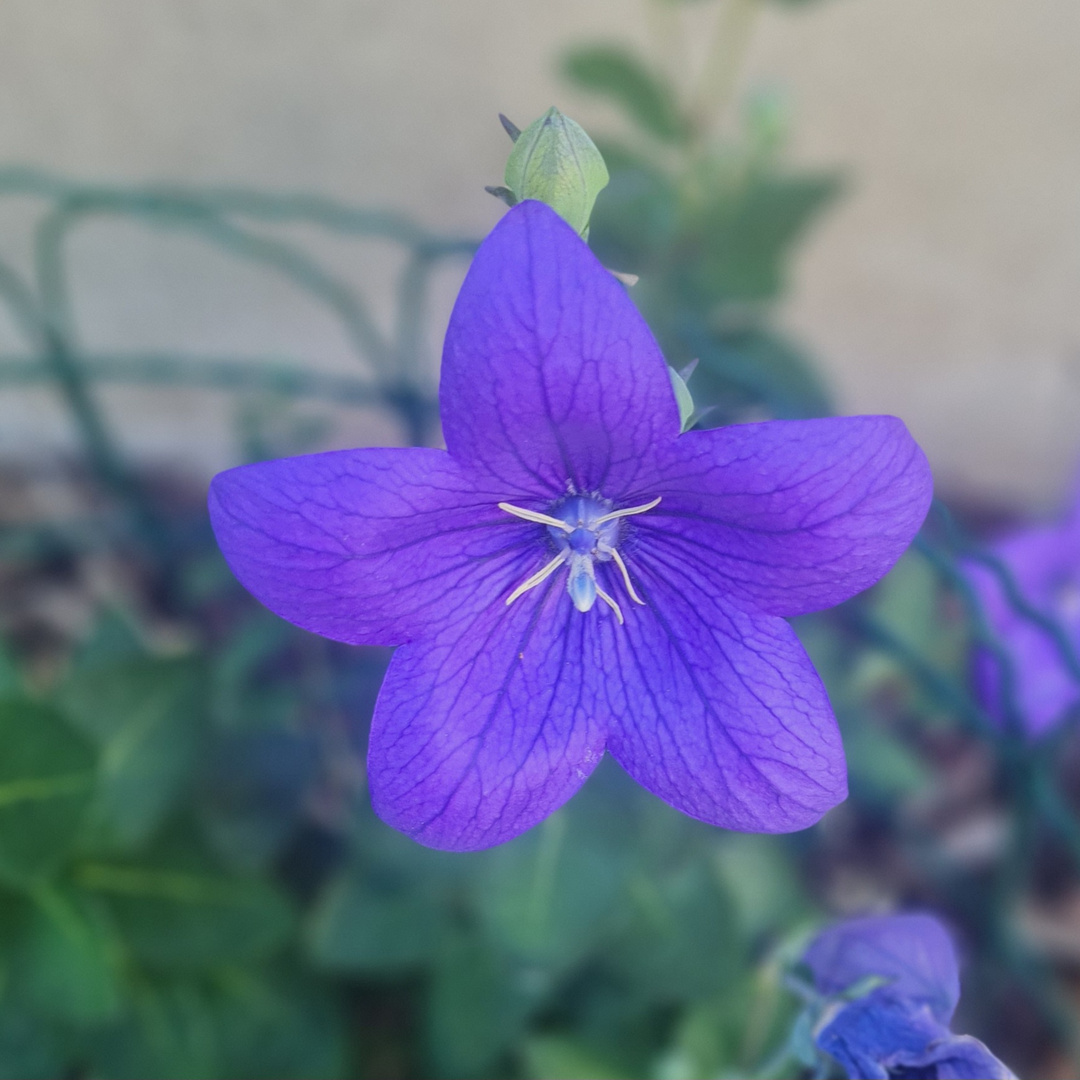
(945,289)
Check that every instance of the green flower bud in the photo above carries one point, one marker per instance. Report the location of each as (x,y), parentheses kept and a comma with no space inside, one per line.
(555,162)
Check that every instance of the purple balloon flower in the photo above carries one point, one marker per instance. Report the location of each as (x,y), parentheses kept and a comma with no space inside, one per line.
(1045,563)
(572,574)
(900,1027)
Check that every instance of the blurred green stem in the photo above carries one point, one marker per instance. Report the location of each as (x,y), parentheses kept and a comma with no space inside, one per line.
(723,66)
(664,19)
(58,354)
(552,834)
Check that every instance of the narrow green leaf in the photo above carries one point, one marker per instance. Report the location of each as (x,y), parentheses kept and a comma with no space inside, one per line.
(148,717)
(548,895)
(46,782)
(684,941)
(743,239)
(556,1057)
(476,1007)
(372,918)
(31,1047)
(618,75)
(66,965)
(11,684)
(176,911)
(242,1024)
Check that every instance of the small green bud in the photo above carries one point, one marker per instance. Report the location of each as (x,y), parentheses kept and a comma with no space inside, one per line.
(555,162)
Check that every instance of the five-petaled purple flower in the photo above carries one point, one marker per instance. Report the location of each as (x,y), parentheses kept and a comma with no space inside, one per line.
(899,1029)
(1045,563)
(572,574)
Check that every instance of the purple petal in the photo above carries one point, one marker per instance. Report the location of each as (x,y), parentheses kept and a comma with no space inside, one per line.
(365,546)
(872,1033)
(488,726)
(913,951)
(1045,563)
(1043,687)
(791,516)
(880,1036)
(549,373)
(717,710)
(956,1057)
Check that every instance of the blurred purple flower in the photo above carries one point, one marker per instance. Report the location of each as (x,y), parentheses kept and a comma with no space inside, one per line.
(1045,563)
(574,575)
(900,1027)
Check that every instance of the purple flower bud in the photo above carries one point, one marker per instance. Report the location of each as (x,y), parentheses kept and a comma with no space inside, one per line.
(900,1027)
(1044,560)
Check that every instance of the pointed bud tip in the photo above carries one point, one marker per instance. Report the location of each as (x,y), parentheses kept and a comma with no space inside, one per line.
(510,128)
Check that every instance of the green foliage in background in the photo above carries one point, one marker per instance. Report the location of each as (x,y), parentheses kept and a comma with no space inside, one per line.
(710,228)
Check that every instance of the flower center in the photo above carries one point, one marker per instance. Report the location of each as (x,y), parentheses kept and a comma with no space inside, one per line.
(584,530)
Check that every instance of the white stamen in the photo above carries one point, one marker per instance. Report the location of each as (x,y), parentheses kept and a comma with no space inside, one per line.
(625,573)
(611,604)
(618,513)
(580,544)
(540,519)
(536,579)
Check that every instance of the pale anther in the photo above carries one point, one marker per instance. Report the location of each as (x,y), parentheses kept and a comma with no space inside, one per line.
(536,579)
(620,513)
(540,519)
(625,575)
(610,603)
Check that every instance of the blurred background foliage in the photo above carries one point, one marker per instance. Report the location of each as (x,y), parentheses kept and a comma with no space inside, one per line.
(192,883)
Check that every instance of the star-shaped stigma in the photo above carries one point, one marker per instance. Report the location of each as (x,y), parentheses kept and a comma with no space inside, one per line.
(584,529)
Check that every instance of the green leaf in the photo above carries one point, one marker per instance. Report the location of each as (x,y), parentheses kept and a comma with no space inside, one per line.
(239,666)
(240,1025)
(556,1057)
(684,942)
(65,965)
(907,602)
(636,222)
(177,911)
(46,781)
(148,717)
(374,918)
(742,239)
(11,684)
(880,765)
(555,162)
(760,877)
(476,1009)
(31,1048)
(722,1035)
(251,802)
(112,639)
(618,75)
(547,896)
(278,1028)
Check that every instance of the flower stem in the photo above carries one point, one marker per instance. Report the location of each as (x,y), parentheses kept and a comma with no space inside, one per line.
(723,66)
